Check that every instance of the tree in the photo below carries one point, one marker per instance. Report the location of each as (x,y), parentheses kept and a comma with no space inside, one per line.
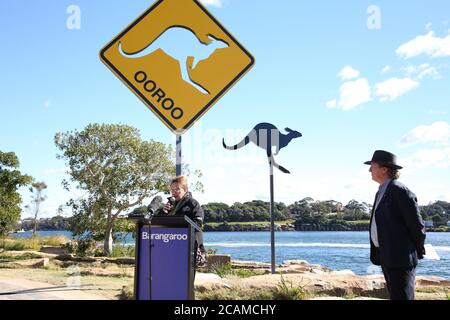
(10,181)
(36,189)
(117,171)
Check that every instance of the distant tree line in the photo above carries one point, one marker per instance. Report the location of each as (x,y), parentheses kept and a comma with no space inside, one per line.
(306,214)
(46,224)
(438,212)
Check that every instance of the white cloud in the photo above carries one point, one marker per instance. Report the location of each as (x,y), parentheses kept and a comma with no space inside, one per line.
(427,44)
(348,73)
(47,104)
(428,158)
(354,93)
(422,71)
(438,132)
(386,69)
(393,88)
(332,104)
(216,3)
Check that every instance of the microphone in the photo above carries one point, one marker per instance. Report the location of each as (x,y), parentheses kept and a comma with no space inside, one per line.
(171,201)
(154,206)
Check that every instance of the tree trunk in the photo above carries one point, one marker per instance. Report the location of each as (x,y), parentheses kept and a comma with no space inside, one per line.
(35,218)
(107,246)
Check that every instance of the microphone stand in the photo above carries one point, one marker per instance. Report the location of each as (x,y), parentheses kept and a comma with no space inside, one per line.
(150,280)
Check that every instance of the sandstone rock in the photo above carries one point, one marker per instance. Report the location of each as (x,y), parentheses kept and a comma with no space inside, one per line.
(210,281)
(343,272)
(431,281)
(218,260)
(41,263)
(295,262)
(53,250)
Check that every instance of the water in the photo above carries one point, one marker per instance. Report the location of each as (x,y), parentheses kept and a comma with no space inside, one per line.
(337,250)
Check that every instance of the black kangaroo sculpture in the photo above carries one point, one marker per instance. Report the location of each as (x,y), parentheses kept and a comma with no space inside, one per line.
(266,136)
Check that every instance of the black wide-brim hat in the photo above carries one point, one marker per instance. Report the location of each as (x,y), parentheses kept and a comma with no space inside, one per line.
(385,159)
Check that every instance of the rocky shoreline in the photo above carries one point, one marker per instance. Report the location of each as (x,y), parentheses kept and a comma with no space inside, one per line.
(318,282)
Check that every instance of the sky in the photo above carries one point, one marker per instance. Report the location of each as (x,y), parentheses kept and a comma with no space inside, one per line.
(351,76)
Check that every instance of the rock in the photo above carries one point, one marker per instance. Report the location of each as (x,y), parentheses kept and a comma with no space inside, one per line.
(295,262)
(431,281)
(210,281)
(53,250)
(218,260)
(249,264)
(120,261)
(343,272)
(41,263)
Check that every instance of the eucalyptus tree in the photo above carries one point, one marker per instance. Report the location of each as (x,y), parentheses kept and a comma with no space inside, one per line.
(11,180)
(116,170)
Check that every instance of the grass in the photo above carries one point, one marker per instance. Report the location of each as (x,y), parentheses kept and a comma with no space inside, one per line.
(108,287)
(225,270)
(286,291)
(283,291)
(34,243)
(4,257)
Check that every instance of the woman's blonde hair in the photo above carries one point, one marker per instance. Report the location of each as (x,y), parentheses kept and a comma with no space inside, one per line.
(181,181)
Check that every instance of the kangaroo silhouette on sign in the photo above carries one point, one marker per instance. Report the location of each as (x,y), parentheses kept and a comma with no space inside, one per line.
(183,45)
(266,136)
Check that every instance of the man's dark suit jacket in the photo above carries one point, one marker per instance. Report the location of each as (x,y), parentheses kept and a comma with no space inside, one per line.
(401,231)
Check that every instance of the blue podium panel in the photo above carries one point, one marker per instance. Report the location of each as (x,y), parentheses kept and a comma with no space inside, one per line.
(169,261)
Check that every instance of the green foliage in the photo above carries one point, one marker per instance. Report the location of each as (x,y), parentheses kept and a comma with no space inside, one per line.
(225,270)
(123,251)
(10,181)
(117,171)
(286,291)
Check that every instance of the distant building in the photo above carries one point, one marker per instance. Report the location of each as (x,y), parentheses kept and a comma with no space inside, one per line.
(429,223)
(339,207)
(448,223)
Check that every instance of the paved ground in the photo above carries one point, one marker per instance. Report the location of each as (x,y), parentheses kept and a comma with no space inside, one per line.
(21,289)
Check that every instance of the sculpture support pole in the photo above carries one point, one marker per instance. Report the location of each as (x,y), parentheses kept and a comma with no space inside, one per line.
(272,222)
(178,156)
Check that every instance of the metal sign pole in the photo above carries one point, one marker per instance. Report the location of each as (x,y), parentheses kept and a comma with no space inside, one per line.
(178,151)
(272,221)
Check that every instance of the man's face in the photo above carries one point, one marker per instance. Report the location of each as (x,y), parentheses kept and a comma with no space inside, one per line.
(177,191)
(379,173)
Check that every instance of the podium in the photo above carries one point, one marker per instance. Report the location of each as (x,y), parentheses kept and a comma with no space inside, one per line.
(164,253)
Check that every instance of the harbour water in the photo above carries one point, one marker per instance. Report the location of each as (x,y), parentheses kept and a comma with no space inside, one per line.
(338,250)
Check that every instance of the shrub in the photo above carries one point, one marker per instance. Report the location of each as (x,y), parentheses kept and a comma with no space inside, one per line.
(21,244)
(126,293)
(227,270)
(286,291)
(123,251)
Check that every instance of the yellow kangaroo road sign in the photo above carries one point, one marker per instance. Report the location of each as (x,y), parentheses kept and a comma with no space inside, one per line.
(177,86)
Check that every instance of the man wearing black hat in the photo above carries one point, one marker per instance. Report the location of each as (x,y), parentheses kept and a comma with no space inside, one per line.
(397,232)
